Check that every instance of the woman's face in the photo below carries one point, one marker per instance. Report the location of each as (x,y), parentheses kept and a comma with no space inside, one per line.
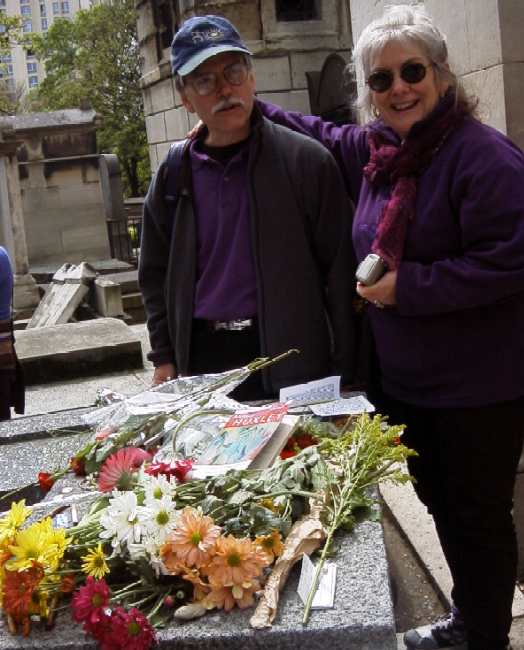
(403,104)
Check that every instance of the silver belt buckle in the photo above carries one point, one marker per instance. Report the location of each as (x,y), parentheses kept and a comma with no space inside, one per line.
(234,325)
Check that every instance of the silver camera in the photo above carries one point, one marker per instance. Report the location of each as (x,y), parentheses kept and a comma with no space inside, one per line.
(371,269)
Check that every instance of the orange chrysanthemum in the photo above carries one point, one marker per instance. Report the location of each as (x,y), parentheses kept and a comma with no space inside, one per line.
(226,597)
(271,545)
(235,563)
(18,592)
(192,542)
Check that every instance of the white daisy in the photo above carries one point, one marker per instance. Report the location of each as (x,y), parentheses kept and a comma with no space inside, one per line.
(159,518)
(121,520)
(156,487)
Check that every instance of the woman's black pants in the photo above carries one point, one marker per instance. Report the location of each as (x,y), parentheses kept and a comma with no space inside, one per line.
(465,475)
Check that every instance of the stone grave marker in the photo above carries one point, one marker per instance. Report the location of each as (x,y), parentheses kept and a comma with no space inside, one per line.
(69,286)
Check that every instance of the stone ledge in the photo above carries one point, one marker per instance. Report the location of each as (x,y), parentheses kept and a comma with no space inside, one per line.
(79,349)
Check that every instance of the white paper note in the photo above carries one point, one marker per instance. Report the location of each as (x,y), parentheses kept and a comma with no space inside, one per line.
(321,390)
(348,406)
(325,594)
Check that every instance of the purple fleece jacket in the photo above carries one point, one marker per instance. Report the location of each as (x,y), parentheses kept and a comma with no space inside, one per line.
(456,336)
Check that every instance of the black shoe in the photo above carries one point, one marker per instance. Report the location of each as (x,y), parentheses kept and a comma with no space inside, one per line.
(447,632)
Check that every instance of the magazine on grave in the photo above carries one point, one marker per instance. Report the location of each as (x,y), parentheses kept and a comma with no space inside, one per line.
(248,439)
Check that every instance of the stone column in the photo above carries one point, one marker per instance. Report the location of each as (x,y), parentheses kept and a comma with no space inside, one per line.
(26,295)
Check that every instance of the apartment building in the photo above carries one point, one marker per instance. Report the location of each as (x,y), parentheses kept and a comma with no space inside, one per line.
(21,70)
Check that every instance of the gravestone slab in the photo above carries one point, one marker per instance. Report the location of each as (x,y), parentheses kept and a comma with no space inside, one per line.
(69,287)
(73,350)
(362,618)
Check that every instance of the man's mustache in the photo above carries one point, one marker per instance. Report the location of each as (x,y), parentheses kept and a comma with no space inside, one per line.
(226,103)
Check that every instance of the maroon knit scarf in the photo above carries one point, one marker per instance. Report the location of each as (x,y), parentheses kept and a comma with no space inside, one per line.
(400,166)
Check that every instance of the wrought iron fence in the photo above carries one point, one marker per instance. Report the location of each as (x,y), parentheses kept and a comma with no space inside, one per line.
(124,238)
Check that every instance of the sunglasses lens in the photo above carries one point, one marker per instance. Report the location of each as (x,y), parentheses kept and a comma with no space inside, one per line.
(380,81)
(413,73)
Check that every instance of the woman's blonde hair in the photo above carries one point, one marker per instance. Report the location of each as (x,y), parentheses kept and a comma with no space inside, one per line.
(404,24)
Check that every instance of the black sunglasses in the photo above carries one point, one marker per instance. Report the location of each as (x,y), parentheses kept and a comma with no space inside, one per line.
(411,73)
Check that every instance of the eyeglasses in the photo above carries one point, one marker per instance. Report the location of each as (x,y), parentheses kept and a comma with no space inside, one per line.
(207,82)
(411,73)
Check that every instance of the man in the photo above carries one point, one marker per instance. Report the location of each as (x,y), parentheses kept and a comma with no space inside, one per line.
(255,257)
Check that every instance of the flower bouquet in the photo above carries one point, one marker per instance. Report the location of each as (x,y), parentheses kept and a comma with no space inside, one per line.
(154,546)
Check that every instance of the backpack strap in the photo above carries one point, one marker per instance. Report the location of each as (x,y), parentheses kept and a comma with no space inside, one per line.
(174,165)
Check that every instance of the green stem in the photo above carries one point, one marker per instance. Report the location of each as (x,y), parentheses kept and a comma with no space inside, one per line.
(316,576)
(158,605)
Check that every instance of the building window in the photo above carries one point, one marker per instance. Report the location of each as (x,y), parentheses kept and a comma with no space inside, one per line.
(33,81)
(31,68)
(65,7)
(43,10)
(24,2)
(2,4)
(27,26)
(44,24)
(6,58)
(56,8)
(292,10)
(25,10)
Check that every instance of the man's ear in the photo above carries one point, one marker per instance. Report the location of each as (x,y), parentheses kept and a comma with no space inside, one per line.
(188,105)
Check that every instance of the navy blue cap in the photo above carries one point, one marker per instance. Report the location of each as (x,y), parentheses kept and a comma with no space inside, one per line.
(200,38)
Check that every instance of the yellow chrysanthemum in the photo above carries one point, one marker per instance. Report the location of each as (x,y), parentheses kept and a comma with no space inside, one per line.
(94,563)
(271,544)
(13,520)
(40,543)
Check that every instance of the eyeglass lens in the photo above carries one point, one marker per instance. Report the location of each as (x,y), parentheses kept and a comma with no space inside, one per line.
(235,74)
(382,80)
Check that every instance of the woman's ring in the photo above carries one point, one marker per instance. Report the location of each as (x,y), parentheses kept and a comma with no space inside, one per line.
(378,304)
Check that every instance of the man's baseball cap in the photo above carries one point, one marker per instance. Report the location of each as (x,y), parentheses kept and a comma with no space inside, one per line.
(200,38)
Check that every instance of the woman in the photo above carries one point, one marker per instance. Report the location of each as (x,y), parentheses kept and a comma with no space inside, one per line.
(11,383)
(440,199)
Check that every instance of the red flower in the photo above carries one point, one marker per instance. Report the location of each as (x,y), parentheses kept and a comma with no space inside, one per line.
(78,465)
(46,481)
(179,469)
(18,590)
(118,469)
(296,443)
(67,584)
(89,602)
(130,630)
(305,440)
(396,440)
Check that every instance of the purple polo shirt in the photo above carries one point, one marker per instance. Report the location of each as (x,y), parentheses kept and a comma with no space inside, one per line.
(226,283)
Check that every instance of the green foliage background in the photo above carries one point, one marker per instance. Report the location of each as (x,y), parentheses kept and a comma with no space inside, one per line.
(96,57)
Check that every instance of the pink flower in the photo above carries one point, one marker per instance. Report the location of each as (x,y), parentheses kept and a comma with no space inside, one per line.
(130,630)
(89,602)
(118,469)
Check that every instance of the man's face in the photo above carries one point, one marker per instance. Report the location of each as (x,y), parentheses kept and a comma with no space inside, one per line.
(226,111)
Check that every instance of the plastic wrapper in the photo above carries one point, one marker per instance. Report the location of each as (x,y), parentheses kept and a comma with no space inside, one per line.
(306,535)
(151,418)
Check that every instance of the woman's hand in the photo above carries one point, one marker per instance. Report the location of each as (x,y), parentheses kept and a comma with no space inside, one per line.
(383,292)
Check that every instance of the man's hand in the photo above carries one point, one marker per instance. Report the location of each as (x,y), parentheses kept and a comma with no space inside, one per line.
(163,373)
(383,292)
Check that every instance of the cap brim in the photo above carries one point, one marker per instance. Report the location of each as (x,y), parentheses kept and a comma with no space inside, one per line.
(206,54)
